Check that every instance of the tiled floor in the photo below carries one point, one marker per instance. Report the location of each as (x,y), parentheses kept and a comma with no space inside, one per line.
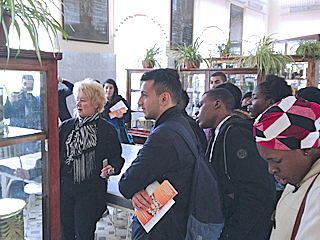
(108,228)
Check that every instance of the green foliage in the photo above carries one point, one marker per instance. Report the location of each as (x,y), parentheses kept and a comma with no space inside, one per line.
(225,47)
(309,49)
(182,53)
(151,54)
(265,58)
(32,14)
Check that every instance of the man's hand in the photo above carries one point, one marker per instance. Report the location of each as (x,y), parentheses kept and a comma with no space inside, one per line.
(22,173)
(141,200)
(15,96)
(59,79)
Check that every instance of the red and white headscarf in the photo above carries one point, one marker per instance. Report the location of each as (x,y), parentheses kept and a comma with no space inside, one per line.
(292,123)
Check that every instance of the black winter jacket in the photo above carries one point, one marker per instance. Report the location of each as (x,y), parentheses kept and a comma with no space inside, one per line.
(159,160)
(247,190)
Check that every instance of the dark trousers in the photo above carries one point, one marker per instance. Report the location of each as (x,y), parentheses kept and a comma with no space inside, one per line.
(79,212)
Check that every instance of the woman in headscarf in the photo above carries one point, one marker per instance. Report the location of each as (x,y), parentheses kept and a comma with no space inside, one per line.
(287,136)
(120,118)
(84,142)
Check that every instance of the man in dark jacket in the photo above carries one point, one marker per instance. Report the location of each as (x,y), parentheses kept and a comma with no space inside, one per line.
(159,159)
(246,188)
(63,93)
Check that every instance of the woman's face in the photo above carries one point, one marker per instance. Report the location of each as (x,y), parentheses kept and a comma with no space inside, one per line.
(109,89)
(288,166)
(84,106)
(257,104)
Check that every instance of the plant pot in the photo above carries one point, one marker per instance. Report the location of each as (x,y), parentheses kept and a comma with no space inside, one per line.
(7,20)
(194,64)
(150,64)
(224,55)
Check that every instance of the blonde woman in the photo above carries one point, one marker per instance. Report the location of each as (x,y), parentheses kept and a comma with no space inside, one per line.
(85,141)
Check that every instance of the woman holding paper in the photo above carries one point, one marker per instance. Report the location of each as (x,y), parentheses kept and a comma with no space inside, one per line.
(117,110)
(85,142)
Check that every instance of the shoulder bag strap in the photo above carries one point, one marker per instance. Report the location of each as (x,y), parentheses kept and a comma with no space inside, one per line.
(301,210)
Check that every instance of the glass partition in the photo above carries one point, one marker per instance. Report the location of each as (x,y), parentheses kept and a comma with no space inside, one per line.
(22,144)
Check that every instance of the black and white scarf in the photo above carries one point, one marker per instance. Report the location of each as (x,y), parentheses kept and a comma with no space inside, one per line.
(80,147)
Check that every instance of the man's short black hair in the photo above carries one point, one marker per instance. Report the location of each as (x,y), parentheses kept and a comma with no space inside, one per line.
(165,80)
(223,95)
(220,74)
(27,77)
(184,99)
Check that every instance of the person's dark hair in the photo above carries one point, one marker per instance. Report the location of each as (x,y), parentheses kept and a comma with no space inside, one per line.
(247,94)
(220,74)
(311,94)
(235,91)
(115,93)
(28,77)
(275,88)
(184,100)
(165,80)
(223,95)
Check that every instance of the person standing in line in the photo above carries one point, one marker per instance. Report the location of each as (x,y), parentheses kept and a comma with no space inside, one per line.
(121,119)
(246,188)
(287,136)
(159,159)
(84,142)
(63,93)
(217,78)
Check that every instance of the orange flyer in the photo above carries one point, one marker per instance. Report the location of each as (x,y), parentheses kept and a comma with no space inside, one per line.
(162,201)
(113,114)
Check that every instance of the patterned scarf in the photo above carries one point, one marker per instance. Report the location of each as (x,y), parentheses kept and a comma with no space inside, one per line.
(80,147)
(292,123)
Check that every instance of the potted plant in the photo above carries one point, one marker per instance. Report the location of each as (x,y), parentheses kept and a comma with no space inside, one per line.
(309,49)
(188,55)
(149,60)
(30,14)
(265,58)
(225,49)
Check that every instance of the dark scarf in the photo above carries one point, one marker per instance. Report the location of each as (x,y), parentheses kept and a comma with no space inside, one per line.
(80,147)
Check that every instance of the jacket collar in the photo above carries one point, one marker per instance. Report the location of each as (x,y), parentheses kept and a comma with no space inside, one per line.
(166,114)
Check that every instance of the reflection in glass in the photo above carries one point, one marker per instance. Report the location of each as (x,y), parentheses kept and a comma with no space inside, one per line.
(21,178)
(22,98)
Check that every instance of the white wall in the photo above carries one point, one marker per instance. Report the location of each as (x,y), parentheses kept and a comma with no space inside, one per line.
(289,25)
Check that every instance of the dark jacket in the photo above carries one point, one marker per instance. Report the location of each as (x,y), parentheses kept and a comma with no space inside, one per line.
(117,121)
(159,160)
(64,113)
(24,113)
(247,189)
(197,130)
(107,147)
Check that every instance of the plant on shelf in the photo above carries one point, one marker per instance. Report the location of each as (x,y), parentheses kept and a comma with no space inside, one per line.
(309,49)
(188,55)
(150,61)
(225,49)
(30,14)
(265,58)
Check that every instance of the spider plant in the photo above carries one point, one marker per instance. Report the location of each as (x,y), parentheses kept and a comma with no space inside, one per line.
(31,14)
(150,61)
(265,58)
(309,49)
(188,54)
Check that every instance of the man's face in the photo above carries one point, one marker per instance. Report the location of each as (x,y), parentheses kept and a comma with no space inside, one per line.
(149,101)
(257,104)
(215,81)
(27,85)
(207,114)
(288,166)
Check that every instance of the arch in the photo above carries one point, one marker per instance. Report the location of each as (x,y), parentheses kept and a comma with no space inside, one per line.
(141,15)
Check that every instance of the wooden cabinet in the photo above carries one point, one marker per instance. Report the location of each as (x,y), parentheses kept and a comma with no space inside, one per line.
(23,146)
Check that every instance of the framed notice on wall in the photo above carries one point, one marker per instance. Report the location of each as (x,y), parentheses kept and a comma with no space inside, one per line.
(181,21)
(89,19)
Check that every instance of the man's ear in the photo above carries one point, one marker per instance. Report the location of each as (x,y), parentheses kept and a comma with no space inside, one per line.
(165,98)
(270,102)
(217,104)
